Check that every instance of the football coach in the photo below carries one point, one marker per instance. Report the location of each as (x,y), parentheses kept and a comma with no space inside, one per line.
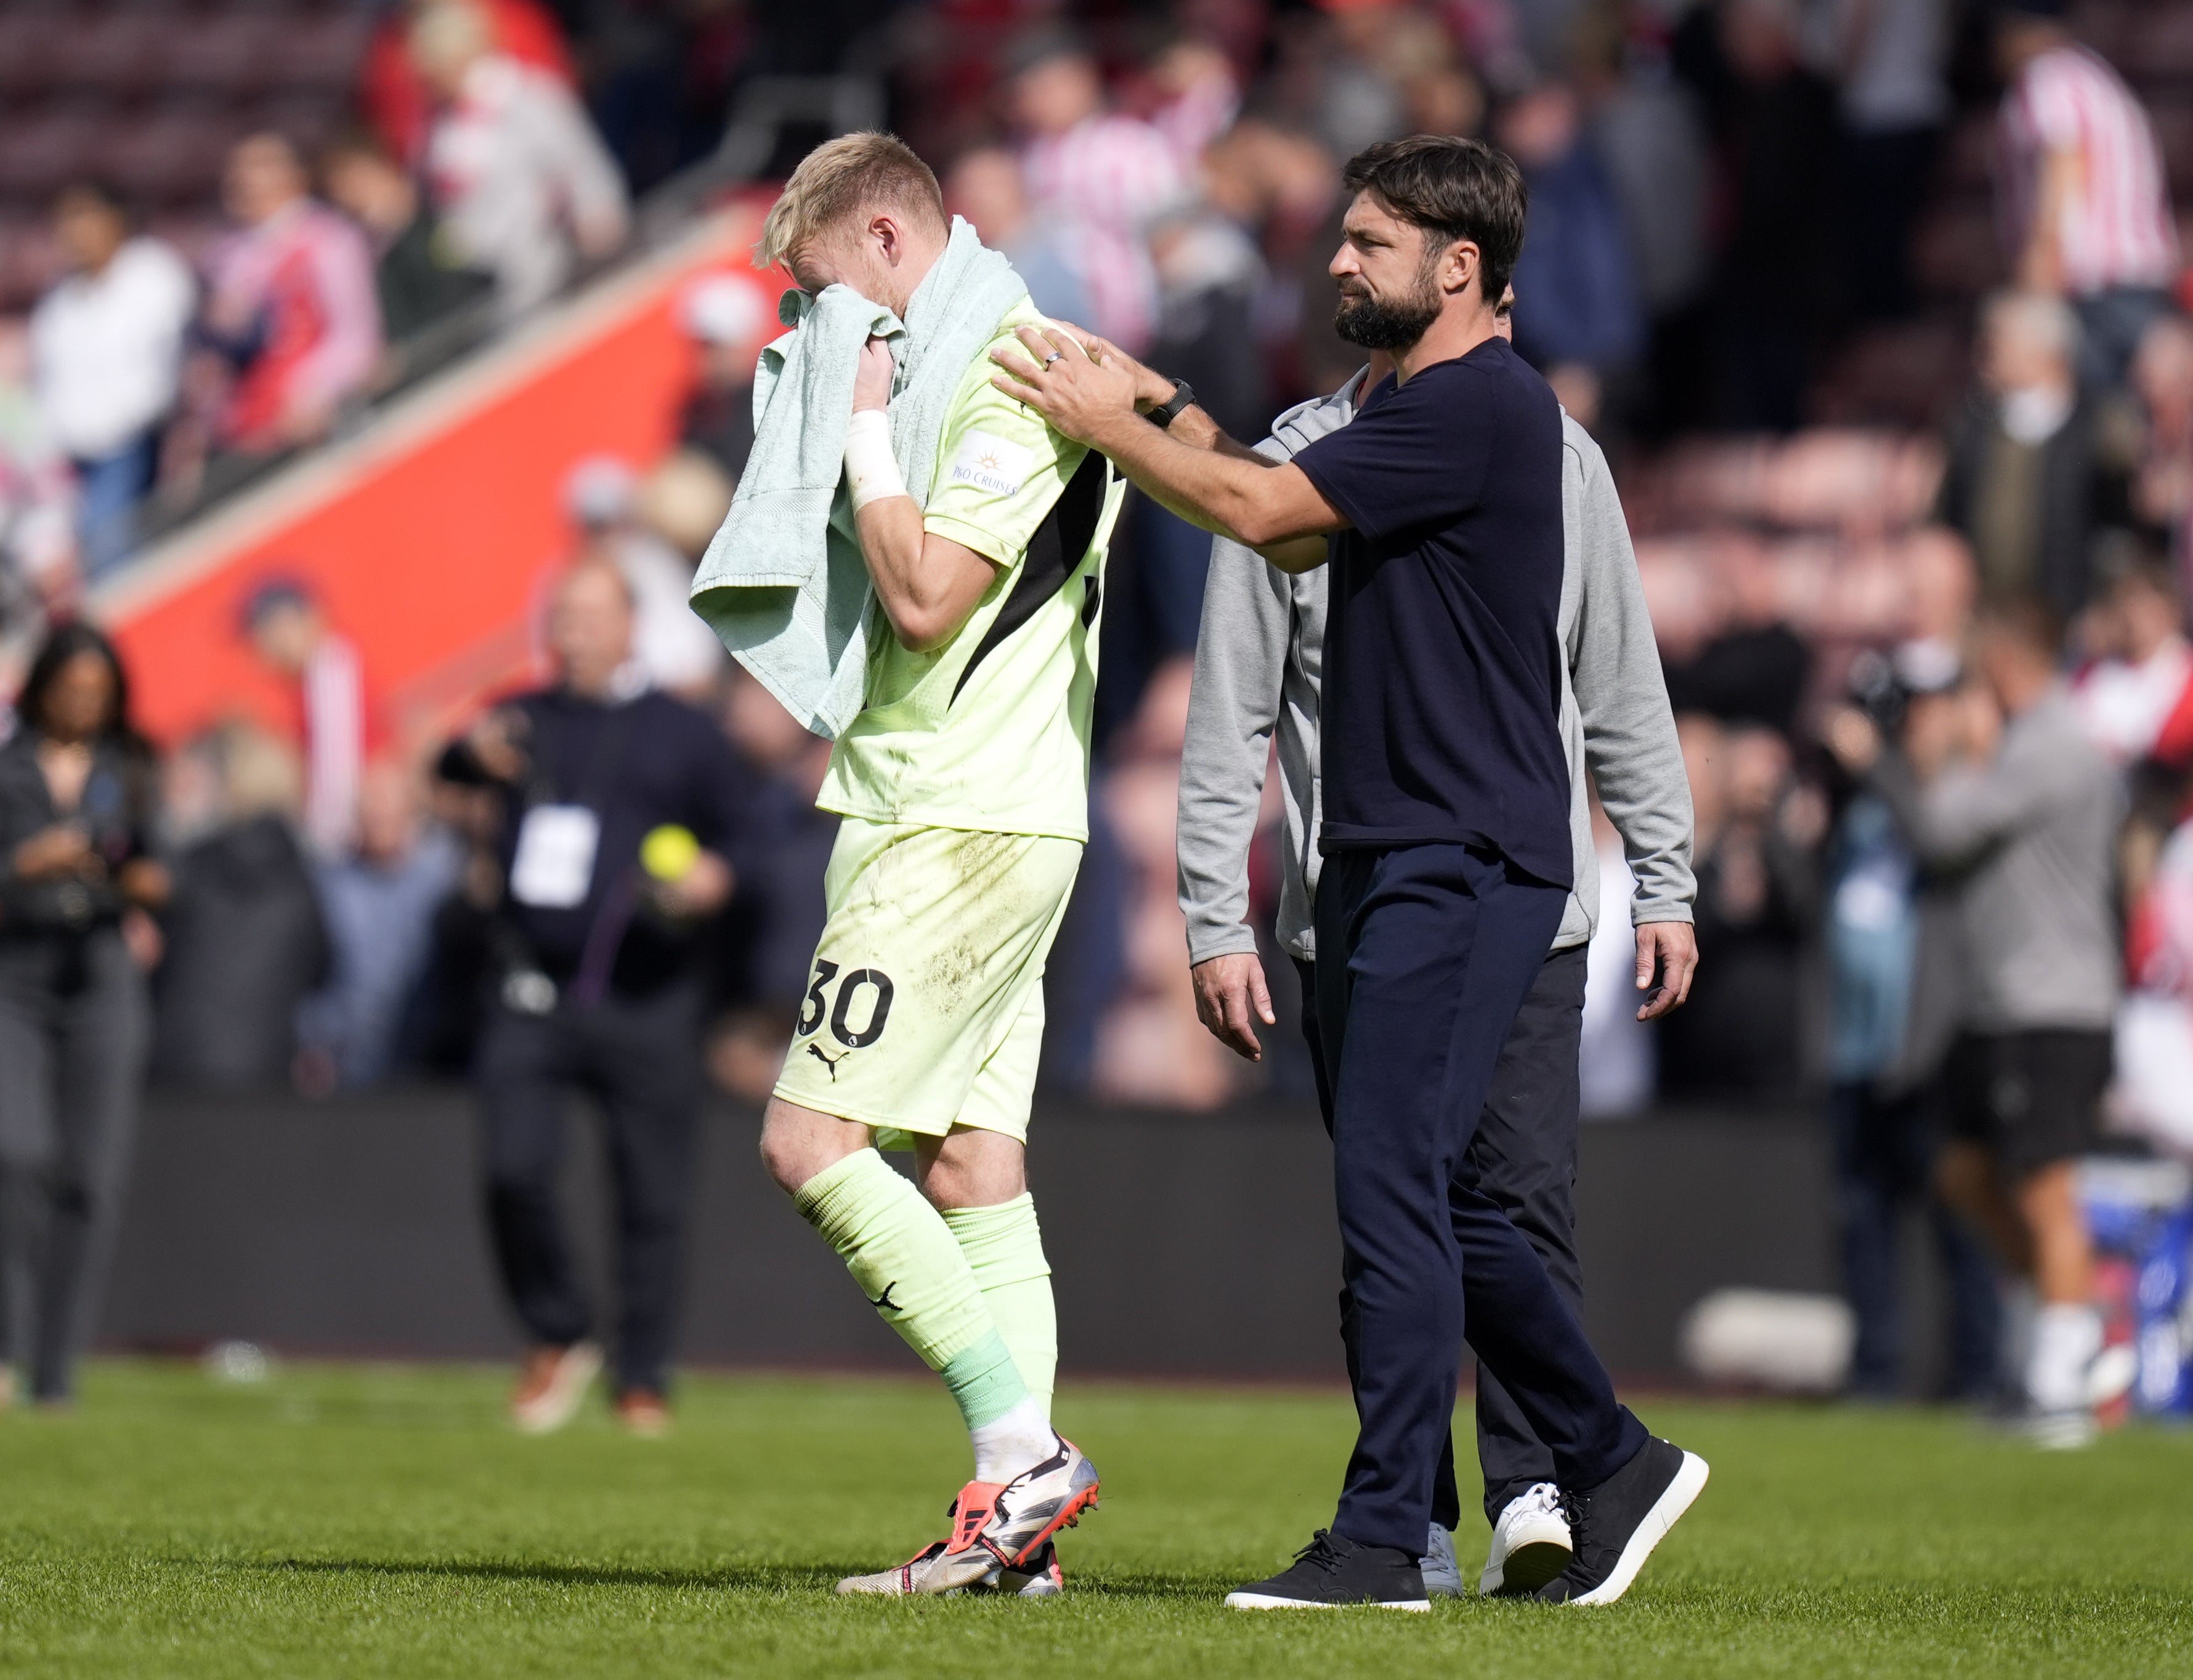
(1446,840)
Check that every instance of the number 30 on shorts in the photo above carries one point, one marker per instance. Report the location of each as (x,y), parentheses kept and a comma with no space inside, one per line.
(873,980)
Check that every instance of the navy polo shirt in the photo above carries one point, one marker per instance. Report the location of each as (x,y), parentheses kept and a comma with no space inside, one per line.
(1440,720)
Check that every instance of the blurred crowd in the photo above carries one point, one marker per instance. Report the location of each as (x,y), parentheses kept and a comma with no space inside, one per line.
(1844,422)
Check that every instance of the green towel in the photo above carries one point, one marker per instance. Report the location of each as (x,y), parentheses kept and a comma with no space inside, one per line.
(783,583)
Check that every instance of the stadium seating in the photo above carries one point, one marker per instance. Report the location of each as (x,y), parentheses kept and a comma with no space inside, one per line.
(150,94)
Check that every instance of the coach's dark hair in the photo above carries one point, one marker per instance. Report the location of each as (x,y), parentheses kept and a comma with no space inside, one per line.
(1453,189)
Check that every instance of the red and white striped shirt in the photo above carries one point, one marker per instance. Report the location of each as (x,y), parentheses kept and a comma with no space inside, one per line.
(1109,177)
(2116,227)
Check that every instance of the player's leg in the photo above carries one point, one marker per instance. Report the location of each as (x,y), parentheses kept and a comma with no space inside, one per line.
(976,1175)
(1524,1158)
(900,1251)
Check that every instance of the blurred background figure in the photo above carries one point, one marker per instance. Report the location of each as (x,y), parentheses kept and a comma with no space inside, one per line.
(290,320)
(2084,198)
(524,184)
(1896,997)
(246,940)
(1739,1036)
(106,346)
(396,97)
(1889,61)
(618,807)
(290,631)
(670,643)
(728,318)
(1108,174)
(76,834)
(1048,252)
(2004,791)
(37,512)
(2033,472)
(418,280)
(1578,316)
(379,905)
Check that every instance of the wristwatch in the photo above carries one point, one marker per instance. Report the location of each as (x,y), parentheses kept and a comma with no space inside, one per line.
(1165,413)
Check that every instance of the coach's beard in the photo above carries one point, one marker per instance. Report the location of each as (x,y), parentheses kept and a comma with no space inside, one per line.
(1374,324)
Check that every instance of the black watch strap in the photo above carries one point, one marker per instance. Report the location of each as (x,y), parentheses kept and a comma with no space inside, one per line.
(1182,398)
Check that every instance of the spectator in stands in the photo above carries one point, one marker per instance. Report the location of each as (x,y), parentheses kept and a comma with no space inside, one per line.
(380,904)
(2162,483)
(416,277)
(1889,59)
(106,345)
(1895,998)
(246,943)
(398,102)
(2025,814)
(289,630)
(673,648)
(1197,97)
(729,318)
(289,312)
(596,943)
(2084,197)
(38,538)
(76,792)
(1049,252)
(522,182)
(1755,668)
(2034,470)
(1776,126)
(1577,318)
(1738,1038)
(2134,695)
(1108,175)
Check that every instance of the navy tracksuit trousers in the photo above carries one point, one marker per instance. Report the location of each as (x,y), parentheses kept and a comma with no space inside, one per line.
(1425,955)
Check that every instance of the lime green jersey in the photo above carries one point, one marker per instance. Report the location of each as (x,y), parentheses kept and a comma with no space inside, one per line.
(991,730)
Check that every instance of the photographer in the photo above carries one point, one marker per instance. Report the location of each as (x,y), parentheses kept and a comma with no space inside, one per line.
(618,806)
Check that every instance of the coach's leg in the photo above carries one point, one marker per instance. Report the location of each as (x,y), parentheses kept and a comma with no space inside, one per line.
(1437,948)
(1524,1158)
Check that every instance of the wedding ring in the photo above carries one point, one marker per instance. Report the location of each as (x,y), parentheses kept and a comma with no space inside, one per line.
(1055,356)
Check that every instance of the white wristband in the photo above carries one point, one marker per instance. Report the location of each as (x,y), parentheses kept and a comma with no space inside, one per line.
(871,468)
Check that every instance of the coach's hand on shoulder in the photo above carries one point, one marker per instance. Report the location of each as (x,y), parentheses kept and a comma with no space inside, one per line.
(1230,998)
(1668,950)
(872,378)
(1151,386)
(1082,397)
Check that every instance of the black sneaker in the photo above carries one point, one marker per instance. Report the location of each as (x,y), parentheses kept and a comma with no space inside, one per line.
(1331,1571)
(1617,1523)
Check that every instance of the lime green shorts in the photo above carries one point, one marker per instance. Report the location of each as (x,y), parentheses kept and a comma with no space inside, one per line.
(925,1004)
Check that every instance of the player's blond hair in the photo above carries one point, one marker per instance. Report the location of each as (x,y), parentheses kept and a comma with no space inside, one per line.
(840,179)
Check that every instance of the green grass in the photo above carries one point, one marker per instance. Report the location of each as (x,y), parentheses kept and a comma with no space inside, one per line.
(381,1521)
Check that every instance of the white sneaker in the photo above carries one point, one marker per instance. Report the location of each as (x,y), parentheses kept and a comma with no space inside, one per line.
(1531,1543)
(554,1381)
(1442,1574)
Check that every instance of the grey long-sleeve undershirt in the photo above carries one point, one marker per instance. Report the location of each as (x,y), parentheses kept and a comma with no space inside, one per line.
(1258,660)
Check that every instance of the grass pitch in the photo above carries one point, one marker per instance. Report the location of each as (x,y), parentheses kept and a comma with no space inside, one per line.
(383,1521)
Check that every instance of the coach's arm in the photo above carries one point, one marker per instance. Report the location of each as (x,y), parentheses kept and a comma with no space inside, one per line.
(1226,490)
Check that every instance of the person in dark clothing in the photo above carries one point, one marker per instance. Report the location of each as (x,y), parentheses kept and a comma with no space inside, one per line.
(2036,468)
(77,877)
(417,275)
(1739,1036)
(1775,129)
(619,806)
(245,941)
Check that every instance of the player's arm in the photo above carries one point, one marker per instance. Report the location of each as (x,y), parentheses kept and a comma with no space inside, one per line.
(1260,503)
(929,585)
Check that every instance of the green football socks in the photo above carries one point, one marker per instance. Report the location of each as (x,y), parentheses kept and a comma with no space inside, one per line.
(1004,1247)
(904,1256)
